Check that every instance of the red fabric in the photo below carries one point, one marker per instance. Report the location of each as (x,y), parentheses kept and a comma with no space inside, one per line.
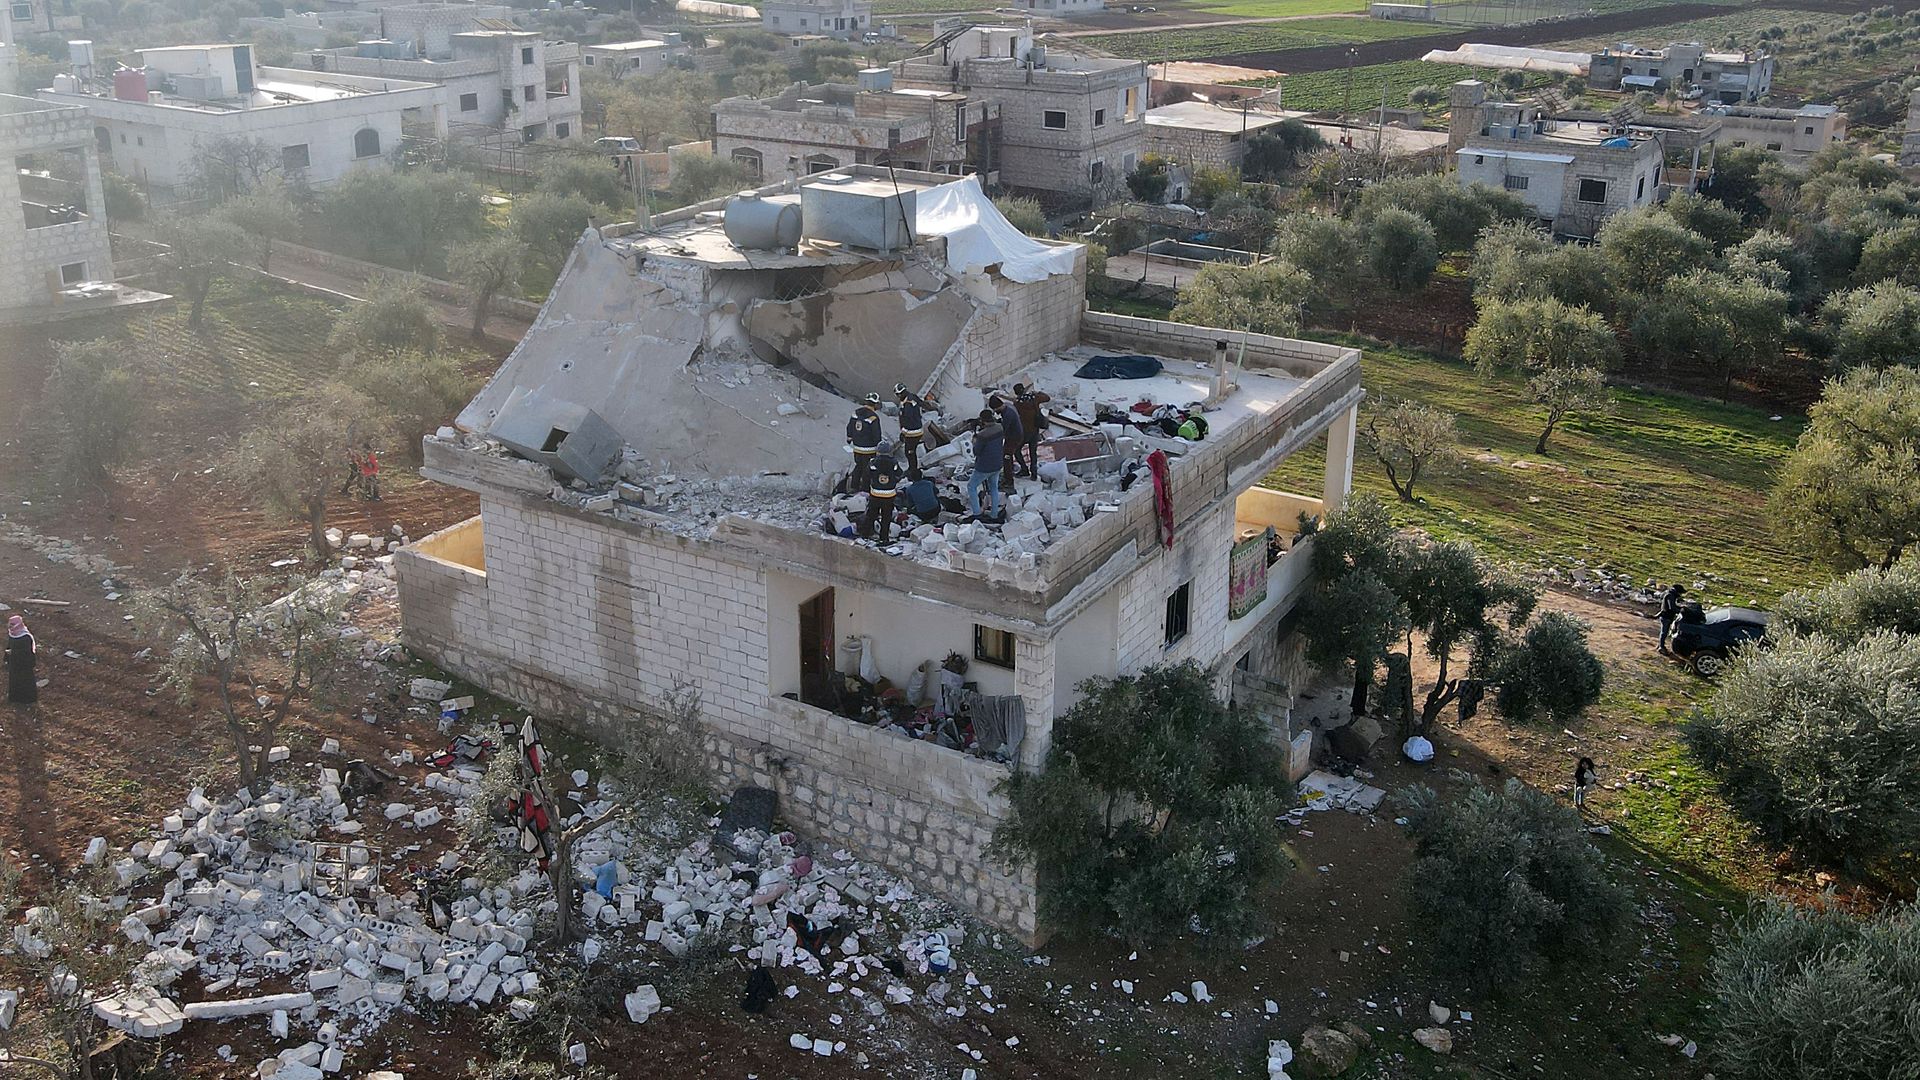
(371,466)
(1162,495)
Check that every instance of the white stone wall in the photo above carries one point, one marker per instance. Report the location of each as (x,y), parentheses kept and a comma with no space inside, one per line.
(1197,148)
(32,258)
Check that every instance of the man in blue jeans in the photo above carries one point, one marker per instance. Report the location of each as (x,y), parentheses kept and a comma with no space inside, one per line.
(989,457)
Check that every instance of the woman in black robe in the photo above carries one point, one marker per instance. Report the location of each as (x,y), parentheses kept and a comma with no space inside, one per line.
(21,687)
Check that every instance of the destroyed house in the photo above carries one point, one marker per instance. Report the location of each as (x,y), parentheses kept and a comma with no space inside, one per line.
(656,465)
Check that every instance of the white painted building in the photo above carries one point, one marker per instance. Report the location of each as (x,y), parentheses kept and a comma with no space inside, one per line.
(643,57)
(700,561)
(829,18)
(511,81)
(1573,173)
(53,226)
(152,125)
(1062,9)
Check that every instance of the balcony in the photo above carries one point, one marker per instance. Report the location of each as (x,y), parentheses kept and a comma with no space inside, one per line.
(1264,576)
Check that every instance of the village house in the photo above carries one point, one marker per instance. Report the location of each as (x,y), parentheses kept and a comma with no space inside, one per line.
(645,56)
(812,129)
(1203,135)
(52,224)
(1792,135)
(654,465)
(1071,127)
(492,81)
(1725,77)
(1573,173)
(828,18)
(155,122)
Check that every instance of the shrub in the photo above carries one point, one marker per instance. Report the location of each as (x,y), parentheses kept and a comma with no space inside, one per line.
(1505,881)
(1265,299)
(1023,213)
(1550,674)
(1851,607)
(94,393)
(1325,247)
(397,316)
(1153,813)
(1148,180)
(1818,742)
(1817,995)
(1401,249)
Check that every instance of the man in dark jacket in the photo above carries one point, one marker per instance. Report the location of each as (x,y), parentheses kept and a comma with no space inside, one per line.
(883,482)
(863,432)
(1670,606)
(1027,402)
(913,426)
(1012,431)
(989,453)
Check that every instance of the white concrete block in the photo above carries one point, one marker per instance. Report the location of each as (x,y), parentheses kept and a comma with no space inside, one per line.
(220,1010)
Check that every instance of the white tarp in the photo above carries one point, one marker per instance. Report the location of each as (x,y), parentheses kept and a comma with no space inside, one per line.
(1512,57)
(979,236)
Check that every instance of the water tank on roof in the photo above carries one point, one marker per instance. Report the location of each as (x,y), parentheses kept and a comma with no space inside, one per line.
(1619,143)
(130,84)
(772,222)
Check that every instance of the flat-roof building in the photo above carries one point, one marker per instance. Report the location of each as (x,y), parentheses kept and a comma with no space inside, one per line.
(1573,173)
(642,57)
(1203,135)
(511,81)
(812,129)
(1725,77)
(53,225)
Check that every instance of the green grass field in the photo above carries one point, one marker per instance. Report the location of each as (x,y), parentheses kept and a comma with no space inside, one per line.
(1668,487)
(1327,90)
(1267,9)
(1251,37)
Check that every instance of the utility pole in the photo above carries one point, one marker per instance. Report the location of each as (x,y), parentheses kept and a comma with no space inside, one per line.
(1346,104)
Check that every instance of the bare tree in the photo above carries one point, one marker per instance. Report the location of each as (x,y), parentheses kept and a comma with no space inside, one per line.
(228,166)
(1411,441)
(295,462)
(487,268)
(262,655)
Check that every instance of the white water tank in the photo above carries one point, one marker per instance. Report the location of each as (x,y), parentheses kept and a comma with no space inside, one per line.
(764,222)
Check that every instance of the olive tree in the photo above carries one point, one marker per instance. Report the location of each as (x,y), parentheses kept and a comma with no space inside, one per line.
(486,268)
(1645,249)
(1352,611)
(416,391)
(201,251)
(1410,441)
(1721,322)
(1850,607)
(1400,248)
(267,214)
(1874,326)
(1263,299)
(1460,603)
(1847,493)
(1324,247)
(397,315)
(1153,812)
(95,393)
(295,462)
(1505,882)
(1550,673)
(1535,335)
(1568,391)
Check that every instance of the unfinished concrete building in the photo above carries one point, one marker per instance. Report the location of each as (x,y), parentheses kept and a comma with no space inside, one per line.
(53,226)
(492,82)
(813,129)
(655,465)
(1071,127)
(1725,77)
(1575,174)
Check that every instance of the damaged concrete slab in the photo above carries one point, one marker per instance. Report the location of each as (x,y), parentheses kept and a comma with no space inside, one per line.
(865,342)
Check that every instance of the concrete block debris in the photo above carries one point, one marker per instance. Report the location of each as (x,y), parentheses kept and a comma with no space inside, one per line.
(642,1004)
(1322,790)
(425,689)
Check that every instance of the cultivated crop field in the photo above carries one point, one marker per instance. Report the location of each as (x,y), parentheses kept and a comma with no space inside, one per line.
(929,7)
(1322,91)
(1743,28)
(1252,37)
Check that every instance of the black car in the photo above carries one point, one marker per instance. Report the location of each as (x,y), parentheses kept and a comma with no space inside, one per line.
(1705,641)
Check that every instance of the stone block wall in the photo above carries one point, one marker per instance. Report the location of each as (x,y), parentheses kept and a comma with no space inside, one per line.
(1037,318)
(593,623)
(30,265)
(1196,148)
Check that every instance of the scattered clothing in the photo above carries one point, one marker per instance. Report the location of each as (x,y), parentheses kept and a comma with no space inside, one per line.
(1119,367)
(1162,496)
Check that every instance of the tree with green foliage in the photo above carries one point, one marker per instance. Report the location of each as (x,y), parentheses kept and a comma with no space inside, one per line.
(1817,742)
(1772,259)
(201,251)
(1426,96)
(487,268)
(1516,260)
(1459,601)
(1739,176)
(1148,180)
(1805,992)
(294,463)
(1711,218)
(1850,607)
(1263,299)
(1874,326)
(1209,185)
(548,226)
(1456,214)
(1891,255)
(1352,612)
(1278,150)
(1538,335)
(1325,247)
(1153,812)
(416,391)
(697,179)
(1506,882)
(1565,392)
(267,213)
(1646,249)
(95,394)
(125,202)
(1549,674)
(1023,212)
(592,177)
(1847,494)
(1411,441)
(1721,322)
(1400,248)
(396,316)
(1241,220)
(404,218)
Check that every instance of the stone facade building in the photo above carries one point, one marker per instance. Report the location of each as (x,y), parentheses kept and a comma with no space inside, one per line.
(53,228)
(1793,135)
(511,81)
(707,568)
(812,129)
(156,126)
(1725,77)
(1201,135)
(1573,173)
(1071,127)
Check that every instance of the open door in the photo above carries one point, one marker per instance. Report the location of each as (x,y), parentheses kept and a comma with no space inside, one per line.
(816,650)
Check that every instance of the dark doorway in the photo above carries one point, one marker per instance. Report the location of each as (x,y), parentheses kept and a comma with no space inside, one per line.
(816,650)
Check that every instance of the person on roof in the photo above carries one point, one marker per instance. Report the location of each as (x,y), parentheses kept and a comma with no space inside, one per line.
(989,452)
(883,483)
(1033,420)
(1012,431)
(913,426)
(863,433)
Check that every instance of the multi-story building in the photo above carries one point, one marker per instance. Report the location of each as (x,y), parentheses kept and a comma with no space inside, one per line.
(52,225)
(504,80)
(642,57)
(1793,135)
(1071,127)
(1202,135)
(1574,173)
(828,18)
(155,123)
(1725,77)
(813,129)
(691,556)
